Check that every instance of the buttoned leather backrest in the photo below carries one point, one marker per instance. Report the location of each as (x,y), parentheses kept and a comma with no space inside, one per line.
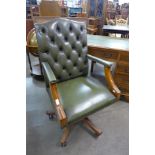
(63,44)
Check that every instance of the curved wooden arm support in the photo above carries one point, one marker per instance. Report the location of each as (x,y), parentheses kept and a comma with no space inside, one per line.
(111,84)
(59,108)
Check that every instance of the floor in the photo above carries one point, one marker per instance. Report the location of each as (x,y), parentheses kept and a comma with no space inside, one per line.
(43,134)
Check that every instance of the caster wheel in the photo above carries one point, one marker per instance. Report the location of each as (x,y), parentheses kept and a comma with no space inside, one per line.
(51,117)
(98,134)
(64,144)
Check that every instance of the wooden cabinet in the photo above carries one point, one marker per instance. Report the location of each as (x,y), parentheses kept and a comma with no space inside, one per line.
(52,8)
(121,76)
(95,11)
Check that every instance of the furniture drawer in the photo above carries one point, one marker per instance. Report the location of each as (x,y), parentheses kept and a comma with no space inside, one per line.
(121,78)
(123,68)
(104,54)
(124,57)
(124,90)
(124,87)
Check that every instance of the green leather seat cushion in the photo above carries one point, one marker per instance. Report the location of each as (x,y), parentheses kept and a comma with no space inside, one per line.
(82,96)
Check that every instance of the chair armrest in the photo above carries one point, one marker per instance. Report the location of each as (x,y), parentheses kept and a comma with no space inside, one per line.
(108,75)
(101,61)
(111,84)
(49,73)
(58,107)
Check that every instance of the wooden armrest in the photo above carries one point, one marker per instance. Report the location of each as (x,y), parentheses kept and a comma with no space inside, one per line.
(59,108)
(111,84)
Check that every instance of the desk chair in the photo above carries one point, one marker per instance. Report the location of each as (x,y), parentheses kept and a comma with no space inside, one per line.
(74,95)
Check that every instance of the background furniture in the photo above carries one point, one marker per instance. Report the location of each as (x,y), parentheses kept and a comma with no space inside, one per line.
(74,94)
(28,7)
(92,25)
(52,8)
(32,48)
(29,26)
(114,50)
(121,21)
(113,9)
(123,30)
(81,15)
(109,10)
(73,12)
(34,10)
(95,12)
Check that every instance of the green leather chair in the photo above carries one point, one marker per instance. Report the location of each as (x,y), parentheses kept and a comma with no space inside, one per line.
(74,94)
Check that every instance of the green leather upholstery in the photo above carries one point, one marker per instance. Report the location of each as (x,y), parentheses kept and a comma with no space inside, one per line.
(101,61)
(63,45)
(82,96)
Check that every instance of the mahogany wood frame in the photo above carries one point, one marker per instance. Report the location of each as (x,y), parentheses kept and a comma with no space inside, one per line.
(111,84)
(58,107)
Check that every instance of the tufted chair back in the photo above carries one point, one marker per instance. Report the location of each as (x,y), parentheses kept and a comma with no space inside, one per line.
(62,44)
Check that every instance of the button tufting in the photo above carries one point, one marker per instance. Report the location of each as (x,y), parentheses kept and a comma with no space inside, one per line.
(55,60)
(66,39)
(43,30)
(68,57)
(58,28)
(52,39)
(70,28)
(60,48)
(83,45)
(59,77)
(46,51)
(81,28)
(73,46)
(77,37)
(65,52)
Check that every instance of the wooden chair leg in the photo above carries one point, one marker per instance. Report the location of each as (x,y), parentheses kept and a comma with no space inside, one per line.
(88,123)
(64,137)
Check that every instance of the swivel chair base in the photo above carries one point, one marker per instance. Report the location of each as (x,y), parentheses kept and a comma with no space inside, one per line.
(66,131)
